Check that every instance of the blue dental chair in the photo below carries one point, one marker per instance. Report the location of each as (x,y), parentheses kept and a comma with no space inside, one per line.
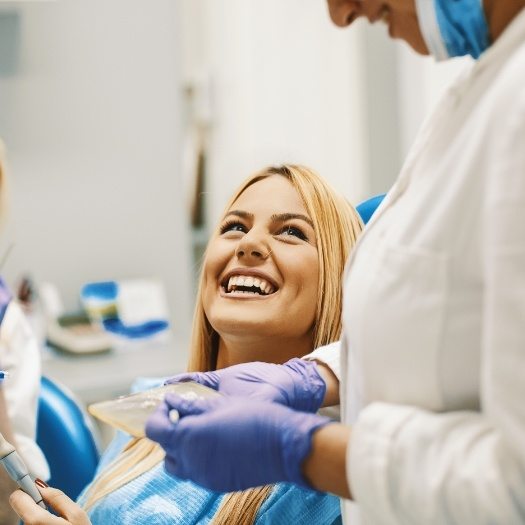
(66,437)
(367,208)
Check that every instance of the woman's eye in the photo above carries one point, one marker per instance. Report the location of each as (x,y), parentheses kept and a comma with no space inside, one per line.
(233,227)
(292,230)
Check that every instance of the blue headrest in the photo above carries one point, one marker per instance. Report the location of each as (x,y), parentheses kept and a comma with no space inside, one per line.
(367,208)
(65,437)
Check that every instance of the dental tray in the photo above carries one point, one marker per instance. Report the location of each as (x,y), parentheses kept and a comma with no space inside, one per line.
(129,413)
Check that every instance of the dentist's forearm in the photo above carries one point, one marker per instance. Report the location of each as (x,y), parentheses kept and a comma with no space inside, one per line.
(331,397)
(325,467)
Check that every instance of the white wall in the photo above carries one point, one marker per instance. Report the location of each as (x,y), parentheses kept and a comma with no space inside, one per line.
(283,84)
(422,82)
(91,111)
(283,89)
(91,115)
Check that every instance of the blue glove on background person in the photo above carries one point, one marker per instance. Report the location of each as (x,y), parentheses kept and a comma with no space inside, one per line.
(5,298)
(296,384)
(228,444)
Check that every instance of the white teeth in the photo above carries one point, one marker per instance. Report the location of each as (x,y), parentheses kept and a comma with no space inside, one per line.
(266,287)
(247,281)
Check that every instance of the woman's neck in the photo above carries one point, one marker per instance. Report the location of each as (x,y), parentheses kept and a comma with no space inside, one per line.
(500,13)
(235,350)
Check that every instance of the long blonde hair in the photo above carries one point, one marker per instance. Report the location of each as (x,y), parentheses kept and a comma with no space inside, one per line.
(337,226)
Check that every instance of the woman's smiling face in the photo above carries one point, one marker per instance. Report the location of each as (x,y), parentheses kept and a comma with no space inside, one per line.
(261,271)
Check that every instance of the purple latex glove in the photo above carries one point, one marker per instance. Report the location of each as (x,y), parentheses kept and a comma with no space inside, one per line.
(296,384)
(5,298)
(227,444)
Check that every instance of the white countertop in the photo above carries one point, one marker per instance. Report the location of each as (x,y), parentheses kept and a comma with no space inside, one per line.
(102,376)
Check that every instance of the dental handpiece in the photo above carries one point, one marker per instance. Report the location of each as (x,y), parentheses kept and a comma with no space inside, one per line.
(17,470)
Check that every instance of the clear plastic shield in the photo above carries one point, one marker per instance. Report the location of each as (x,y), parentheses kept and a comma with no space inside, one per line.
(129,413)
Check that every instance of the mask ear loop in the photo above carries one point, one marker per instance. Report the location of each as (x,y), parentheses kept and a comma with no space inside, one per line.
(428,23)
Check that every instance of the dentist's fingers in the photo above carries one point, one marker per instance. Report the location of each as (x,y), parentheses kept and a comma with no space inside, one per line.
(163,428)
(159,424)
(192,407)
(172,467)
(209,379)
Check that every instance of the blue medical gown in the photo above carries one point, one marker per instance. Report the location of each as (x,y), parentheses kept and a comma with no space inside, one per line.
(156,498)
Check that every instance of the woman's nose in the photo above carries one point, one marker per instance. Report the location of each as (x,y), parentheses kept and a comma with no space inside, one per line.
(252,246)
(343,12)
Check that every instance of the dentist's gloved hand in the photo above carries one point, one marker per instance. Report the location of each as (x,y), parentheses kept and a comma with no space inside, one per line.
(227,444)
(296,384)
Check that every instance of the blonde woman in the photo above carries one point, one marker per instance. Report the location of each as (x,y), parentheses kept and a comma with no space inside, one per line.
(269,291)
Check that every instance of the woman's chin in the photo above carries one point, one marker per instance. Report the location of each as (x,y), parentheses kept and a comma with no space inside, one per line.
(238,322)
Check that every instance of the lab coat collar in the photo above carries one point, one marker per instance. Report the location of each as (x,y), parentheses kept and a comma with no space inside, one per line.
(497,54)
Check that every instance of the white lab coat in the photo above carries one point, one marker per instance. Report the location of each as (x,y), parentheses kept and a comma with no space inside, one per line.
(433,356)
(20,356)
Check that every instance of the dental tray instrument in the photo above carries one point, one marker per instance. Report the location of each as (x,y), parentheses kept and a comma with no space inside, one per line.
(130,413)
(17,470)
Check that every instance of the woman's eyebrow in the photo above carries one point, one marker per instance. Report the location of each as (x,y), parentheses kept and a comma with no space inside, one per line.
(239,213)
(276,217)
(282,217)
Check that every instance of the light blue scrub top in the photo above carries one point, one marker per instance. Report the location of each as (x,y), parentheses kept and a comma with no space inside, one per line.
(156,498)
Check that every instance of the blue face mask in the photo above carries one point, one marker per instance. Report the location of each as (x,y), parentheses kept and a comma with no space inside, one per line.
(453,28)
